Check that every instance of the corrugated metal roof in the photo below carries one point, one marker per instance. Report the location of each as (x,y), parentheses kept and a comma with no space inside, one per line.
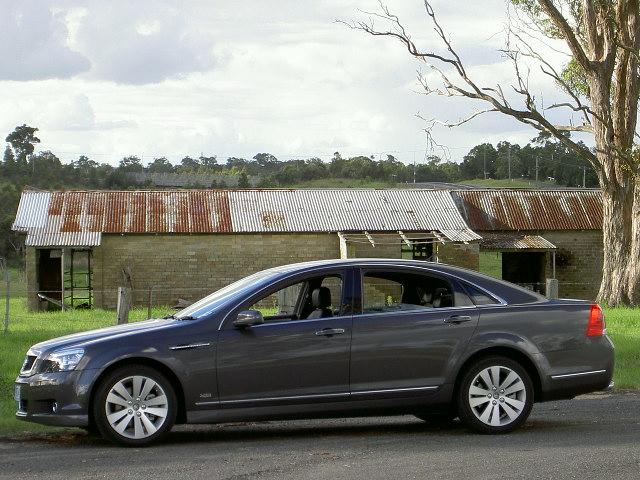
(242,211)
(508,241)
(347,210)
(486,210)
(32,210)
(39,238)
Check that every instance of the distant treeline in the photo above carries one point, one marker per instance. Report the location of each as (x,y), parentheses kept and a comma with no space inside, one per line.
(22,165)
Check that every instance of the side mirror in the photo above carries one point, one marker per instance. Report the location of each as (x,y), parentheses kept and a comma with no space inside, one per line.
(248,318)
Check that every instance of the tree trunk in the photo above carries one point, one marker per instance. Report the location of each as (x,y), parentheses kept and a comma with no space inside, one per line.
(617,203)
(633,268)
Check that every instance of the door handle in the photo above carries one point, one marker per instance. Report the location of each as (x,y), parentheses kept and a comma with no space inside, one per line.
(456,319)
(327,332)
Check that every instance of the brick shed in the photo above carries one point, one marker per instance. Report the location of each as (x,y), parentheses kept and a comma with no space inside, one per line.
(82,245)
(527,229)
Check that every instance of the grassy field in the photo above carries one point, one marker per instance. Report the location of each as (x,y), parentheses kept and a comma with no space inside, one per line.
(26,329)
(491,263)
(342,183)
(29,328)
(506,183)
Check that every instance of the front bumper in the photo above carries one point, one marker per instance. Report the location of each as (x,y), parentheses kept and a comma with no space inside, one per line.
(59,398)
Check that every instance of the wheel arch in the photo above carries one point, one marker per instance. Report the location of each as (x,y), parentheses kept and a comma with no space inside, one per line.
(503,351)
(181,414)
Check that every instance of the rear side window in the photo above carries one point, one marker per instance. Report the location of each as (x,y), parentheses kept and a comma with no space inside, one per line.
(398,291)
(478,296)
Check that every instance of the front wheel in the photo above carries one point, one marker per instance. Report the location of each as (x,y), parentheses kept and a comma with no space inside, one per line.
(495,395)
(134,406)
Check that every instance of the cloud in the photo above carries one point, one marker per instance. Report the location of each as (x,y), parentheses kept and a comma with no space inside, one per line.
(232,78)
(142,42)
(33,43)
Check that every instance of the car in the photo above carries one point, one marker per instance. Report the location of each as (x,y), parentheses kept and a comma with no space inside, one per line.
(333,338)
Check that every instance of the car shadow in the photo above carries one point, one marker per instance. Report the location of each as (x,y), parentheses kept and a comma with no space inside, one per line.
(242,432)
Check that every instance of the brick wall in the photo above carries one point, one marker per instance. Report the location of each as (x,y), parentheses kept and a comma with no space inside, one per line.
(191,266)
(460,255)
(364,249)
(579,259)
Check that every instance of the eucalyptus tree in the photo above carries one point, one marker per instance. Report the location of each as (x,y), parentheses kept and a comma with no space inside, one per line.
(600,82)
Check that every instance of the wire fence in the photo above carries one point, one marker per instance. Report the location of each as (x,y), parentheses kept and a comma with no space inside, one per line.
(19,305)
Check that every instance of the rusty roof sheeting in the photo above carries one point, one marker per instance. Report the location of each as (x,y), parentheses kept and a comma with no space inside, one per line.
(486,210)
(510,241)
(241,211)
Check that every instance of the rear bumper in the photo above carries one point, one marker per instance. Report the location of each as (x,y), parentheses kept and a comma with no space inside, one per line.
(59,399)
(575,372)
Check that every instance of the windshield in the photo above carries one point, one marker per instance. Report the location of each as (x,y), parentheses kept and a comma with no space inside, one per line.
(211,302)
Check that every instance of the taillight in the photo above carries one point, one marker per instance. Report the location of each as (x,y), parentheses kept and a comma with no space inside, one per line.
(596,325)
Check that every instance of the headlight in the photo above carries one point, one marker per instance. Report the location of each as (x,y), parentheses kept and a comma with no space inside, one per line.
(62,360)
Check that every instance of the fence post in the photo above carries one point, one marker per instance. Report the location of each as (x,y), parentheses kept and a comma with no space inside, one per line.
(149,297)
(124,304)
(6,308)
(552,288)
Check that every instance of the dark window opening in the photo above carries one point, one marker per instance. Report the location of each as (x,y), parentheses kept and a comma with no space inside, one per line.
(64,278)
(417,251)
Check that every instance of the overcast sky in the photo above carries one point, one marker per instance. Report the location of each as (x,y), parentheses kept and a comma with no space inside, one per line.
(233,78)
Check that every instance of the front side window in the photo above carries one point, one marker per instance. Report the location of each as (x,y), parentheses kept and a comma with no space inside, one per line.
(317,297)
(398,291)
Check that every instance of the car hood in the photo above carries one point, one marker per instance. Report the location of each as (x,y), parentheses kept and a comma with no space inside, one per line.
(82,339)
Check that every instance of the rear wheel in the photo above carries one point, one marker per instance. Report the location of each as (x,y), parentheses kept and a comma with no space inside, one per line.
(134,406)
(495,395)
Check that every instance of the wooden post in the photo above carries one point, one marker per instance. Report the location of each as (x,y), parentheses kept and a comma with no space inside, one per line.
(124,304)
(552,288)
(149,297)
(8,296)
(62,258)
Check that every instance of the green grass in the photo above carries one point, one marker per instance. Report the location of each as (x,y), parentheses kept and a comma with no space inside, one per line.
(17,286)
(342,183)
(491,264)
(506,183)
(27,328)
(623,326)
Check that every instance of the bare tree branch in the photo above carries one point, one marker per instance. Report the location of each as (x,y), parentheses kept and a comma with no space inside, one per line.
(470,89)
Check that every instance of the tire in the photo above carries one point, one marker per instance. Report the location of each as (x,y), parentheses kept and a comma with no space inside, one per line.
(91,430)
(123,419)
(494,409)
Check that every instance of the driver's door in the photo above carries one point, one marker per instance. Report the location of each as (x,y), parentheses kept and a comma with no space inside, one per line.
(292,357)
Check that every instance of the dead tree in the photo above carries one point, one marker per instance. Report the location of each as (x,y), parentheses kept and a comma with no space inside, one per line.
(603,39)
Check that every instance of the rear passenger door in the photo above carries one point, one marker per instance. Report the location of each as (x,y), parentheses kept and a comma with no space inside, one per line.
(408,331)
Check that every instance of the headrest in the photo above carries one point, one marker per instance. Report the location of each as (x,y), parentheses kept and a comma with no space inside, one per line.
(321,297)
(442,298)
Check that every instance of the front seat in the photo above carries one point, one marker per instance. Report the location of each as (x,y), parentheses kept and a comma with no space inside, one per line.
(321,301)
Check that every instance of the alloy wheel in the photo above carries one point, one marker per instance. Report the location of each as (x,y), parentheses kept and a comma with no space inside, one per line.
(136,407)
(497,396)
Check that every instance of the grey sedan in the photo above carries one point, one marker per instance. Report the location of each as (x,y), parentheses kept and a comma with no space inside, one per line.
(325,339)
